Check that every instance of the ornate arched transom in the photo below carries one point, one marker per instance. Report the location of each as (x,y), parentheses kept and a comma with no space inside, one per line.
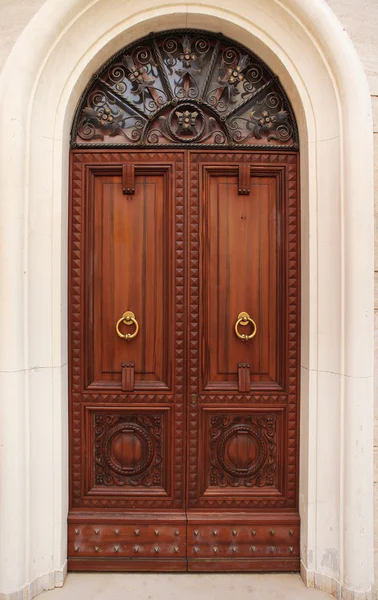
(185,88)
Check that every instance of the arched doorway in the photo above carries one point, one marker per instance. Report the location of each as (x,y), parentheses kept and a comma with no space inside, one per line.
(184,320)
(306,45)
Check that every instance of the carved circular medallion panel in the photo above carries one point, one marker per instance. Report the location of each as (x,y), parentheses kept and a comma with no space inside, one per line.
(242,451)
(128,449)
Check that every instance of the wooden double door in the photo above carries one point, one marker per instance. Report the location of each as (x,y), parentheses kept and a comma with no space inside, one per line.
(184,351)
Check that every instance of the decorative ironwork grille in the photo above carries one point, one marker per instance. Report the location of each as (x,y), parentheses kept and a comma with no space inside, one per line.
(185,88)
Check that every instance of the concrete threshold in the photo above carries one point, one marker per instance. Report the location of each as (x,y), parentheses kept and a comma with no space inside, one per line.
(163,586)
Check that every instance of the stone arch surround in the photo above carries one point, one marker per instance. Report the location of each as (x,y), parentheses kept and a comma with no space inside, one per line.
(40,86)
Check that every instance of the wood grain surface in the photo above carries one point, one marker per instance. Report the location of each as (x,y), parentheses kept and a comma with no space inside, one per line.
(184,439)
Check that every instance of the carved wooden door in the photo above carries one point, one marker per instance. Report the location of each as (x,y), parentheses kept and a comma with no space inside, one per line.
(127,395)
(183,361)
(243,351)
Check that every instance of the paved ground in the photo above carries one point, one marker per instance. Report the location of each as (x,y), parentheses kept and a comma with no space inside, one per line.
(148,586)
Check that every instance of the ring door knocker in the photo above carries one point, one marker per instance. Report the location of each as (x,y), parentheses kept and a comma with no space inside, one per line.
(244,319)
(128,318)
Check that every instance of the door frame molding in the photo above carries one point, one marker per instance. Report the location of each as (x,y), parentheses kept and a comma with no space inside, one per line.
(303,43)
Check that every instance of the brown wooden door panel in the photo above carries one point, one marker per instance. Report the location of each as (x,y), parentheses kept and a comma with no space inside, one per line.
(240,272)
(127,464)
(242,417)
(184,440)
(130,266)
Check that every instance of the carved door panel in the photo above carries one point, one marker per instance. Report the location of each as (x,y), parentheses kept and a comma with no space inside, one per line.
(243,351)
(127,279)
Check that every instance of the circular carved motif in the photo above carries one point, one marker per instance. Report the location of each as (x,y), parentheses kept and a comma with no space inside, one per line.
(186,123)
(242,451)
(128,449)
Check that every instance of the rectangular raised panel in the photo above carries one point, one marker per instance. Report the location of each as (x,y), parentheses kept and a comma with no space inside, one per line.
(241,260)
(129,451)
(241,453)
(130,253)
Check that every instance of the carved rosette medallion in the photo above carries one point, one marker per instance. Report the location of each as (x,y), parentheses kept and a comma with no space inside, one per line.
(243,451)
(128,450)
(185,87)
(186,123)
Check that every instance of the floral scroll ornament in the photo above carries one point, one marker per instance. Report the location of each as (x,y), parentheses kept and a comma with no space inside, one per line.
(185,87)
(185,64)
(138,76)
(226,93)
(186,124)
(271,122)
(187,120)
(187,58)
(267,122)
(234,74)
(103,117)
(143,81)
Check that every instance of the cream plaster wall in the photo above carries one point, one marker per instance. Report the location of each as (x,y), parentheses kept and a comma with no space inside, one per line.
(361,21)
(14,16)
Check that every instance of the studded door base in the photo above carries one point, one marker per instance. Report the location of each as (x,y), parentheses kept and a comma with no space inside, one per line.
(233,543)
(115,542)
(241,543)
